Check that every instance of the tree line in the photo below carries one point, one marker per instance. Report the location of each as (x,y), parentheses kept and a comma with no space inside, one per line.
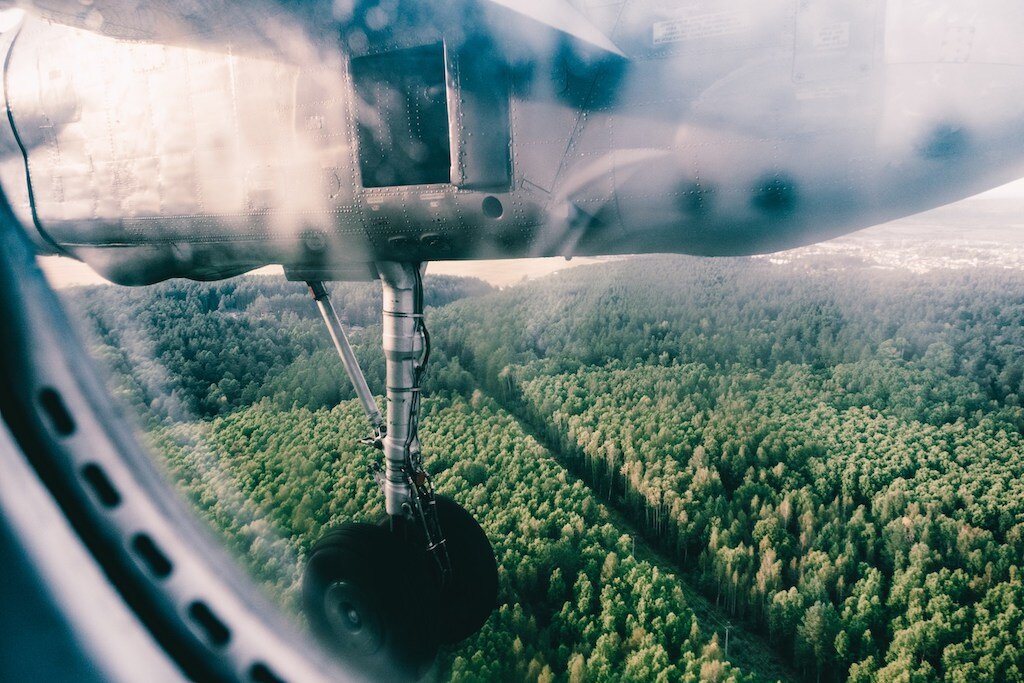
(831,453)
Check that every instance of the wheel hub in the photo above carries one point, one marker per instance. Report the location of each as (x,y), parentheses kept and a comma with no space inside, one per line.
(356,624)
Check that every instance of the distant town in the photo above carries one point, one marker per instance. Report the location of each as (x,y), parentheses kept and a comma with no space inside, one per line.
(919,255)
(970,234)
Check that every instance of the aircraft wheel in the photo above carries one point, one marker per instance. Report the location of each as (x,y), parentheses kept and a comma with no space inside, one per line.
(472,594)
(372,601)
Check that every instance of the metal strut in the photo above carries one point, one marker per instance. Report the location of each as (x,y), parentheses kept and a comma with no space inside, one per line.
(408,491)
(348,358)
(403,350)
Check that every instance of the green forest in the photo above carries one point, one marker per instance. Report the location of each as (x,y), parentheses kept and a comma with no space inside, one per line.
(823,460)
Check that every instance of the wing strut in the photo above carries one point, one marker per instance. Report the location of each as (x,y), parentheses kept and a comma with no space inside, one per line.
(348,357)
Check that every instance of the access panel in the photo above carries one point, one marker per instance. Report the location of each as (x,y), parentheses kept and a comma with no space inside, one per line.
(402,117)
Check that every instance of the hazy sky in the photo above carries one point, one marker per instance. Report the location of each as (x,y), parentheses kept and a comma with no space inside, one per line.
(1014,189)
(65,272)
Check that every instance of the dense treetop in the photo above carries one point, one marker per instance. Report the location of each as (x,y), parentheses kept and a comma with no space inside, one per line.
(835,454)
(831,453)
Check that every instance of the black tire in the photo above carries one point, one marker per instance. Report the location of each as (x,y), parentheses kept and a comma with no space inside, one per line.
(371,600)
(472,594)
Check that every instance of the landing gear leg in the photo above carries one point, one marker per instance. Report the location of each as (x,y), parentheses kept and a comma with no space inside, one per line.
(432,577)
(406,352)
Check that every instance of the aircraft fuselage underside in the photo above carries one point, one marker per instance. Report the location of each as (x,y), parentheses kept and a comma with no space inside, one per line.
(712,129)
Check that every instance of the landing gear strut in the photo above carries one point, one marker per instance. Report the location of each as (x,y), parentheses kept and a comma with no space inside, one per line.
(387,596)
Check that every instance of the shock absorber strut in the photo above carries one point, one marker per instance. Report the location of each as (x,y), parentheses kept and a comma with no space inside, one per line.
(408,492)
(405,354)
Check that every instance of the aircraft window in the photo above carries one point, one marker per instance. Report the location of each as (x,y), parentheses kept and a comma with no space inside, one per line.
(402,117)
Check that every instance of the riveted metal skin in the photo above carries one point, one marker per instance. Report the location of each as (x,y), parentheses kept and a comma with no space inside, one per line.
(598,128)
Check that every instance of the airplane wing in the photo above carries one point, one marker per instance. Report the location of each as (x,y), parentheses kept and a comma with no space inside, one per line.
(261,25)
(251,25)
(164,20)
